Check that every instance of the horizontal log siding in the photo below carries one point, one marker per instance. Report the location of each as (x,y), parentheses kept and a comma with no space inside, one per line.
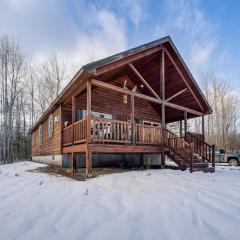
(110,102)
(50,145)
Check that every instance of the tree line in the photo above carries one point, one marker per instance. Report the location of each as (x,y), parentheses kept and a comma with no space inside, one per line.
(27,89)
(222,127)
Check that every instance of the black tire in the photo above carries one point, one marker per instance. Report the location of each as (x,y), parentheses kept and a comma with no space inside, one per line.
(233,162)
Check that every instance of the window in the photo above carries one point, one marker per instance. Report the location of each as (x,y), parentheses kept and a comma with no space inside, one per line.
(50,126)
(79,114)
(153,124)
(40,135)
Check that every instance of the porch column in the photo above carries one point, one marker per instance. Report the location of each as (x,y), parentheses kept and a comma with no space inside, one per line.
(133,120)
(162,86)
(203,127)
(89,106)
(185,124)
(61,128)
(162,96)
(73,116)
(162,92)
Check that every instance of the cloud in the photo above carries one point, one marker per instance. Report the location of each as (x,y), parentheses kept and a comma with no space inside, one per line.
(190,28)
(77,30)
(134,11)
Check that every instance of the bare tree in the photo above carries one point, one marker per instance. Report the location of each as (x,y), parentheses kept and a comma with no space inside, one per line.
(50,75)
(223,124)
(12,64)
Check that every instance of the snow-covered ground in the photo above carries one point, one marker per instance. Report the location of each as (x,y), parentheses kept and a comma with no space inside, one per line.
(155,204)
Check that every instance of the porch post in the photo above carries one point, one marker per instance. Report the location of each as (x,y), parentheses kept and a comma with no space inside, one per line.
(133,120)
(73,116)
(89,106)
(61,128)
(203,127)
(162,96)
(162,91)
(185,124)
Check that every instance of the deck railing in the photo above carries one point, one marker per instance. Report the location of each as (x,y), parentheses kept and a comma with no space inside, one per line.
(179,146)
(148,134)
(76,133)
(205,150)
(67,135)
(110,131)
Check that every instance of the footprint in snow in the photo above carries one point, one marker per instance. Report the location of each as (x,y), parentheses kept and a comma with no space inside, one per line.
(40,183)
(195,219)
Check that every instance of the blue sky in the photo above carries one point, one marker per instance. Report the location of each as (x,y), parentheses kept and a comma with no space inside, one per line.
(206,33)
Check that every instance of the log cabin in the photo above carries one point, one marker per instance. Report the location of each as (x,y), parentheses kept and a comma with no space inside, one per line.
(117,110)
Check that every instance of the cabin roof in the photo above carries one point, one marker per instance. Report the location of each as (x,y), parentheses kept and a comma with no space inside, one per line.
(89,70)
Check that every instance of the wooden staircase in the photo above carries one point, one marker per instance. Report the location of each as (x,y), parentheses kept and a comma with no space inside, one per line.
(192,153)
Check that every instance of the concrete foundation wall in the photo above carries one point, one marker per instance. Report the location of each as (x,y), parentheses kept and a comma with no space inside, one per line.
(51,159)
(113,160)
(101,160)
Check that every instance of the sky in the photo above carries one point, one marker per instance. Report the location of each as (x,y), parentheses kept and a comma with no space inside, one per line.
(206,33)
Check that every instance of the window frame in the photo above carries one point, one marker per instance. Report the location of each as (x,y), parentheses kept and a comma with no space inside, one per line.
(40,135)
(50,126)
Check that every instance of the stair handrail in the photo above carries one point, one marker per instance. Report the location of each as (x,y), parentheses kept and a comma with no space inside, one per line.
(207,151)
(185,150)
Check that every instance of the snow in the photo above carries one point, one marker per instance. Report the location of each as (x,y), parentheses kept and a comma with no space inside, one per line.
(154,204)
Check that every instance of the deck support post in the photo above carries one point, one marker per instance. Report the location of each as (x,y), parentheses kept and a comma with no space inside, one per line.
(162,160)
(74,162)
(89,106)
(133,120)
(73,116)
(88,162)
(203,128)
(185,124)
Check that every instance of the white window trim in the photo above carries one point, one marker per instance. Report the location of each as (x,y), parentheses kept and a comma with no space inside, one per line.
(40,140)
(50,125)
